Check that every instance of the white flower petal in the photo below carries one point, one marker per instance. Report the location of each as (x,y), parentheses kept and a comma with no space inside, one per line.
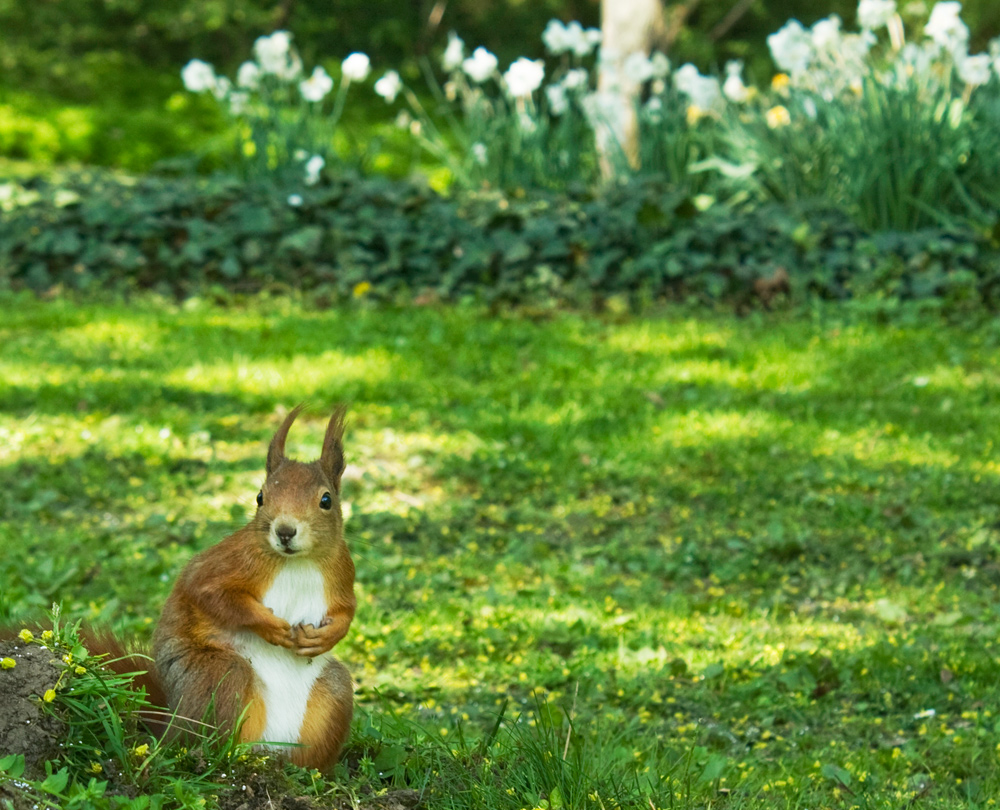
(389,86)
(791,47)
(946,28)
(875,14)
(453,54)
(317,86)
(198,76)
(524,76)
(356,67)
(481,65)
(248,75)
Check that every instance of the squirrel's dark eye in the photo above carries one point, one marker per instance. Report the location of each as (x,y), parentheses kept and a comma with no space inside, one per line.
(326,501)
(260,498)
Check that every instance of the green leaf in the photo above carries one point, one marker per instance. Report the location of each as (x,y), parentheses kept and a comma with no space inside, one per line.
(55,783)
(389,759)
(651,215)
(306,241)
(231,267)
(836,773)
(714,768)
(12,765)
(714,670)
(678,667)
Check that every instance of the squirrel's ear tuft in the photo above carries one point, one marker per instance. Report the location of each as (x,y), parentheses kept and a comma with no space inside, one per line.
(332,459)
(276,450)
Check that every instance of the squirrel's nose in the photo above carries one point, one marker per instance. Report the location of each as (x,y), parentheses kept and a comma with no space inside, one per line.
(285,533)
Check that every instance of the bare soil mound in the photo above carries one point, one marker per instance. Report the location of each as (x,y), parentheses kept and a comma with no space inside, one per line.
(25,727)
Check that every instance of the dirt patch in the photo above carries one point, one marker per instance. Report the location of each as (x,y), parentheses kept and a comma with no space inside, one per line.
(269,790)
(25,728)
(264,791)
(393,800)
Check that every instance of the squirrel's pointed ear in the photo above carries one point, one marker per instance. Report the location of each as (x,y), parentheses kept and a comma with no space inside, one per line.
(332,459)
(276,450)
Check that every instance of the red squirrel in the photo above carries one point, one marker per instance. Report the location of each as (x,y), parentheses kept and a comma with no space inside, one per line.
(243,630)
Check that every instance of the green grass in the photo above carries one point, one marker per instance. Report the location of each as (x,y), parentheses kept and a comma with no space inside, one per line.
(753,562)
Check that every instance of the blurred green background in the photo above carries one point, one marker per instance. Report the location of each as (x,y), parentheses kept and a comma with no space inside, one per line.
(98,81)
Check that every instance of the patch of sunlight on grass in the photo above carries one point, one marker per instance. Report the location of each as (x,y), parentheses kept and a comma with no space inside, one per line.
(699,427)
(778,375)
(651,337)
(313,376)
(885,445)
(385,463)
(953,378)
(33,375)
(991,467)
(121,333)
(568,412)
(53,437)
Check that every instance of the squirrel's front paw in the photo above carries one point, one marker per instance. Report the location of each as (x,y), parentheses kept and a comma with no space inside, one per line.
(280,635)
(310,641)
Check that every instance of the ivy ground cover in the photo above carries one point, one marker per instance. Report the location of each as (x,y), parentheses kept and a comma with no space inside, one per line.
(678,561)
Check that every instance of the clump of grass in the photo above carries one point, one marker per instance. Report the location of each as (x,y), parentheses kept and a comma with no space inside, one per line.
(108,758)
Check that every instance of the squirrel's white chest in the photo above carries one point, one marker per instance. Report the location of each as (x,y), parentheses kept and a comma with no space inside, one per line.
(297,594)
(284,679)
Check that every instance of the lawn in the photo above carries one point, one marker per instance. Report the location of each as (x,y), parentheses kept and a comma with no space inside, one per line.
(750,562)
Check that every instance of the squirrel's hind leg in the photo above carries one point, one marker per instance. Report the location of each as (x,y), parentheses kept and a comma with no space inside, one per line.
(214,686)
(327,721)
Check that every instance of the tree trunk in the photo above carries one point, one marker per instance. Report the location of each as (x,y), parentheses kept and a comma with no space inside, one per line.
(627,26)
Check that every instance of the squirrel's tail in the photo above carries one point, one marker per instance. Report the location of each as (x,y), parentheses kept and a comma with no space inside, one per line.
(131,660)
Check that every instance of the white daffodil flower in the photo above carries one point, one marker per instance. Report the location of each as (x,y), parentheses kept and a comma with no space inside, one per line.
(317,86)
(454,53)
(198,76)
(875,14)
(313,167)
(946,28)
(791,47)
(480,66)
(356,67)
(389,86)
(524,77)
(248,75)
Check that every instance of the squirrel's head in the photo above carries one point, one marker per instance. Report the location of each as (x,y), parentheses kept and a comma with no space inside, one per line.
(299,505)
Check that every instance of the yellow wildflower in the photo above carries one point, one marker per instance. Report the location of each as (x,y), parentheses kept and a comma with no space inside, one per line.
(46,635)
(141,750)
(95,767)
(80,670)
(780,82)
(49,696)
(361,288)
(7,663)
(26,635)
(778,117)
